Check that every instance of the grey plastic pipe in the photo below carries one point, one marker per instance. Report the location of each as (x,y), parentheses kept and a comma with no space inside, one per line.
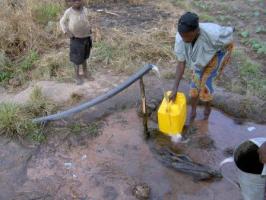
(99,99)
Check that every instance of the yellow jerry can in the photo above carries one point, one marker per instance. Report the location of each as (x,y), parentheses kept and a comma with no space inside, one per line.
(172,115)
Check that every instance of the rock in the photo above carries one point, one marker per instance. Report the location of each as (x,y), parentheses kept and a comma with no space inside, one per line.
(142,191)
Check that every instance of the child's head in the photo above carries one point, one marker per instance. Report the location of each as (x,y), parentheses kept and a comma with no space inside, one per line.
(188,27)
(76,4)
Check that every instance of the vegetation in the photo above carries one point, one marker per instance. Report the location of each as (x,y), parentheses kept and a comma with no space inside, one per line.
(92,129)
(16,120)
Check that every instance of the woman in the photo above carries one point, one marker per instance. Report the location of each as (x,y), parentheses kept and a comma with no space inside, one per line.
(205,48)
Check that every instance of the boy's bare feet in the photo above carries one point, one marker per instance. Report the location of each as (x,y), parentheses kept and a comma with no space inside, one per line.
(79,81)
(88,77)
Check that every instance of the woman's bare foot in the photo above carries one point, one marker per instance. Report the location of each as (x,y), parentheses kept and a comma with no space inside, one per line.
(193,113)
(207,111)
(192,117)
(78,81)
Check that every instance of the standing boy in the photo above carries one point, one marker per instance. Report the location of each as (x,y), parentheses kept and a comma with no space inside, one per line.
(75,25)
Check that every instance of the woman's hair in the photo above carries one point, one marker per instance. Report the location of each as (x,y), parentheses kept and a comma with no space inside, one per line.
(188,22)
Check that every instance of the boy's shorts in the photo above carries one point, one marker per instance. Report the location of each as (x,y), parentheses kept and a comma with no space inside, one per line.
(80,49)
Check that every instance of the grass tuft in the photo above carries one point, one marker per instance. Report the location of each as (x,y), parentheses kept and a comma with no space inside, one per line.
(14,122)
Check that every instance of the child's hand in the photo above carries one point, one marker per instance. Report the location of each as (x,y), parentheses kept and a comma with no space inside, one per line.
(69,34)
(262,153)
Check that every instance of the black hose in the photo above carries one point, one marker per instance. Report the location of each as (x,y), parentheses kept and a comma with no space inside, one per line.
(98,99)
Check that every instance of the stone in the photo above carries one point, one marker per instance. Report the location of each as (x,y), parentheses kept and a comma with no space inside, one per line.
(142,191)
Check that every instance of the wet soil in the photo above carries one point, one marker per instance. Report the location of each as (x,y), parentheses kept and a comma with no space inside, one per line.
(110,166)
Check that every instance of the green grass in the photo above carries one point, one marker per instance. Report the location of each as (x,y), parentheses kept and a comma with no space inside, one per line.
(28,61)
(206,18)
(14,122)
(201,5)
(250,73)
(258,46)
(104,52)
(39,105)
(17,69)
(249,69)
(92,129)
(183,4)
(5,70)
(53,66)
(45,12)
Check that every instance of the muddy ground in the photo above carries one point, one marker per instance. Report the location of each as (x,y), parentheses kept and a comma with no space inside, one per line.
(109,166)
(106,161)
(109,160)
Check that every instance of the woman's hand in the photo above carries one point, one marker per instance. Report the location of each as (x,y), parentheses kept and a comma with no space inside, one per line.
(172,96)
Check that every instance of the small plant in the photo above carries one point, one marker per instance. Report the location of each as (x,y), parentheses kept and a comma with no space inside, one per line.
(104,52)
(250,69)
(76,128)
(258,46)
(92,129)
(251,80)
(28,62)
(244,34)
(37,137)
(5,70)
(39,105)
(260,29)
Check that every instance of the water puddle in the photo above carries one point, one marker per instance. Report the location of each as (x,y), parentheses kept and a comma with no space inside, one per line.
(112,164)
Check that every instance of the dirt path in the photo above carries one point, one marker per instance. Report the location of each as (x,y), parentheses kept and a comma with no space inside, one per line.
(62,92)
